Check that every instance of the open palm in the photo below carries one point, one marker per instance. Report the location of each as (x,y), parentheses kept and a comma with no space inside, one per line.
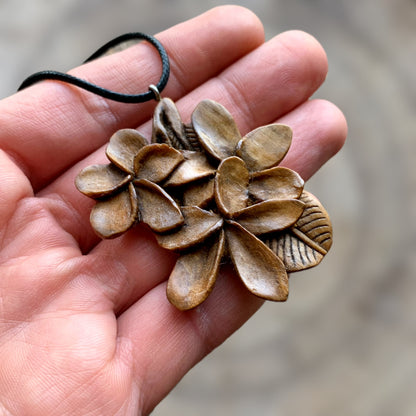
(85,327)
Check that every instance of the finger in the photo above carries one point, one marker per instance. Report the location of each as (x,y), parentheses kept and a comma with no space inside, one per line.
(319,132)
(183,338)
(145,264)
(253,96)
(50,126)
(267,83)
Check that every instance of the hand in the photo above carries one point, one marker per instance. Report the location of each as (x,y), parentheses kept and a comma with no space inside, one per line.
(85,326)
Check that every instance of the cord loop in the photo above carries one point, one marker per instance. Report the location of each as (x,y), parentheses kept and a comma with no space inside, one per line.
(103,92)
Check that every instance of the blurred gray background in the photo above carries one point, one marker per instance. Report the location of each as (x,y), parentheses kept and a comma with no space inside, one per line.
(345,342)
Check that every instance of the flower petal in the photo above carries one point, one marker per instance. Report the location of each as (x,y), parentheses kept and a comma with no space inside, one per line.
(194,274)
(155,162)
(123,147)
(262,272)
(276,183)
(167,125)
(116,215)
(97,181)
(199,225)
(269,216)
(157,209)
(216,129)
(231,186)
(199,194)
(195,167)
(265,146)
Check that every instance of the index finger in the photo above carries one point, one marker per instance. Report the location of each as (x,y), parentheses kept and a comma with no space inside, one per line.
(50,126)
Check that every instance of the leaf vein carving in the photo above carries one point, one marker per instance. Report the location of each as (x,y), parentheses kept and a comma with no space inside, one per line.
(299,234)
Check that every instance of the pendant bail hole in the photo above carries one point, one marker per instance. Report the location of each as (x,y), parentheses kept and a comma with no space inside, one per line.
(155,92)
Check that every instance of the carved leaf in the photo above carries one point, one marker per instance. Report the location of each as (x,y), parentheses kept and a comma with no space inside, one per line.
(192,139)
(231,186)
(268,216)
(276,183)
(262,272)
(265,146)
(123,147)
(97,181)
(167,125)
(194,167)
(306,244)
(216,129)
(157,209)
(194,274)
(199,225)
(156,161)
(114,216)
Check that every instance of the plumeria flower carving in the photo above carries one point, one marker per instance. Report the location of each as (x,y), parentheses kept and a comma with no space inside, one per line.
(240,195)
(135,167)
(212,196)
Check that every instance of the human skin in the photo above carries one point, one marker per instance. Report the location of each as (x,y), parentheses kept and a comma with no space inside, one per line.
(85,326)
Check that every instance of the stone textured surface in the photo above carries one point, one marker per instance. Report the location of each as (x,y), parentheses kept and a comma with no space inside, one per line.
(345,342)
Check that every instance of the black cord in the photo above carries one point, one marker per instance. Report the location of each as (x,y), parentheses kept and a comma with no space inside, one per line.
(103,92)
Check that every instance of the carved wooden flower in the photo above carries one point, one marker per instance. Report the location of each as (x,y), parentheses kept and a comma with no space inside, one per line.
(211,195)
(244,195)
(134,165)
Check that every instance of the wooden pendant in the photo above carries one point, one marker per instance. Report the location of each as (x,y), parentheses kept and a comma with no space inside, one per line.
(212,196)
